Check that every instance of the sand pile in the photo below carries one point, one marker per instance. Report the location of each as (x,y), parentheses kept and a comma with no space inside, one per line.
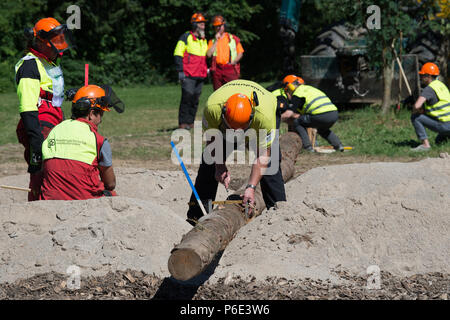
(98,236)
(347,217)
(136,230)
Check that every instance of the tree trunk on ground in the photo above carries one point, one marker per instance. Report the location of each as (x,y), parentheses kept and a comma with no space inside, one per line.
(388,74)
(214,231)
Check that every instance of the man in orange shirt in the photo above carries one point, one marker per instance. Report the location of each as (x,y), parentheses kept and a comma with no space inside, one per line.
(226,52)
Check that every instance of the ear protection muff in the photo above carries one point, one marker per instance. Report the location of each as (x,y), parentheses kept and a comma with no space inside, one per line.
(29,33)
(82,104)
(194,25)
(81,108)
(292,86)
(70,93)
(254,101)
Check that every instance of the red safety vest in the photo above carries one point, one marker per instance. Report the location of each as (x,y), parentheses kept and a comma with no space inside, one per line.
(69,179)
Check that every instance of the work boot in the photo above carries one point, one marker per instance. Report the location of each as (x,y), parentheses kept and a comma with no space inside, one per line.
(339,148)
(310,149)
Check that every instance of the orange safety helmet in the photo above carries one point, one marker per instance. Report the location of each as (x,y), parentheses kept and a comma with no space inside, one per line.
(238,111)
(198,17)
(429,68)
(93,96)
(53,34)
(291,82)
(218,21)
(90,97)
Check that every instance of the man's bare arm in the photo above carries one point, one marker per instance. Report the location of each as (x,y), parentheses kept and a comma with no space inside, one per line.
(418,105)
(108,177)
(237,59)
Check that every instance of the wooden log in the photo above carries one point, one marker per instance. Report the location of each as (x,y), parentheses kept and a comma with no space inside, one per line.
(214,231)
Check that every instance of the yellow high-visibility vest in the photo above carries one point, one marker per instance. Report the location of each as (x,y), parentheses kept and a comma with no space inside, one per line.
(441,109)
(71,140)
(316,102)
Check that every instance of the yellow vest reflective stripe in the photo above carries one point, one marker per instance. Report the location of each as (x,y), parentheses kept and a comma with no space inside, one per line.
(71,140)
(441,109)
(232,45)
(316,102)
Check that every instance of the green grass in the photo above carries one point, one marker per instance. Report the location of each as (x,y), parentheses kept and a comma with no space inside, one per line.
(371,133)
(143,131)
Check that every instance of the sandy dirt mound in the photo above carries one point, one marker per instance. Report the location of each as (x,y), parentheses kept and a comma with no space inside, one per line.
(349,217)
(98,235)
(338,219)
(168,188)
(136,230)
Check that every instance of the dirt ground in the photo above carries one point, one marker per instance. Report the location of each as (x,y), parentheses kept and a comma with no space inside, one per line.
(132,284)
(138,285)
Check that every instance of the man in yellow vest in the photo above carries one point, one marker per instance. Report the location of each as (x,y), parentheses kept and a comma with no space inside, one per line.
(309,107)
(226,51)
(77,159)
(432,108)
(40,88)
(239,107)
(190,63)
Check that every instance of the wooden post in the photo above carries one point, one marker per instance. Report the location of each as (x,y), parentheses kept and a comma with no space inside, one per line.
(214,231)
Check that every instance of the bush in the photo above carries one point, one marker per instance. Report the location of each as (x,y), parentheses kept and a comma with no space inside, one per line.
(6,76)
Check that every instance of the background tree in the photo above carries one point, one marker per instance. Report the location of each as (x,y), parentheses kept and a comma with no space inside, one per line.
(130,42)
(401,19)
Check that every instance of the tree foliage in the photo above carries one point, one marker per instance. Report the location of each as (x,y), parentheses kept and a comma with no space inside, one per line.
(124,41)
(132,42)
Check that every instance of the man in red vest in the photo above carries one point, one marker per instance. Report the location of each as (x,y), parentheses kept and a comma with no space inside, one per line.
(77,159)
(190,63)
(40,88)
(226,52)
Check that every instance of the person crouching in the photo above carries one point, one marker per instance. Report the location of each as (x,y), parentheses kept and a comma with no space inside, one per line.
(77,160)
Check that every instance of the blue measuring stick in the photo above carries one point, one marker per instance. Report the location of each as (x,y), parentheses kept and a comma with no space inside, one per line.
(188,178)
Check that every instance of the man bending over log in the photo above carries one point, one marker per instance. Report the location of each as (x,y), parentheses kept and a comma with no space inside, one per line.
(237,109)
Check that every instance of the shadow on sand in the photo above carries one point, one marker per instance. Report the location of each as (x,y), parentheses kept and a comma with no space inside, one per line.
(173,289)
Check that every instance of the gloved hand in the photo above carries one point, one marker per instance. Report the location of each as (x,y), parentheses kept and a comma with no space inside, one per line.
(35,162)
(222,175)
(181,76)
(409,100)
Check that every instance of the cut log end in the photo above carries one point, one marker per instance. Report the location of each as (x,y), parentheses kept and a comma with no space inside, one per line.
(184,264)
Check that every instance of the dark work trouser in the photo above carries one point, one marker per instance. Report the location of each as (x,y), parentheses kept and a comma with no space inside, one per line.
(191,88)
(322,122)
(35,177)
(272,186)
